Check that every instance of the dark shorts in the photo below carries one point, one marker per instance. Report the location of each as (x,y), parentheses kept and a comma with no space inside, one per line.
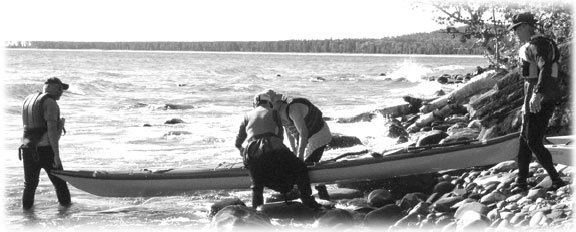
(278,169)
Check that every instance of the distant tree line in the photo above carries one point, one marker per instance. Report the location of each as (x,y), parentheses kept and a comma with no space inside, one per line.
(419,43)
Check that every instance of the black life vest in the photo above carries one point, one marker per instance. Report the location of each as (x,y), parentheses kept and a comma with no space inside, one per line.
(35,126)
(544,47)
(314,121)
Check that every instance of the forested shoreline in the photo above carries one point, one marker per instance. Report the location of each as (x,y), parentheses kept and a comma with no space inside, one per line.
(433,43)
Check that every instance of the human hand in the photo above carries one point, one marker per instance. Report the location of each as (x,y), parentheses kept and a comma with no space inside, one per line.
(57,163)
(535,103)
(61,127)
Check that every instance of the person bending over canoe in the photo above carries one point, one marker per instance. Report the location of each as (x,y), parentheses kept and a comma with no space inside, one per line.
(539,69)
(308,133)
(40,149)
(270,163)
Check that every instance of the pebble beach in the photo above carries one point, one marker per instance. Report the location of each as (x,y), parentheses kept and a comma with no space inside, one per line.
(474,199)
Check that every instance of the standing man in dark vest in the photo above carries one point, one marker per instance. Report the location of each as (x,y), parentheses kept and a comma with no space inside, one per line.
(539,68)
(40,149)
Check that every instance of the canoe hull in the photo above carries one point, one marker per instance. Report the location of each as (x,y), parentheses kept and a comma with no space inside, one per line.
(181,181)
(562,154)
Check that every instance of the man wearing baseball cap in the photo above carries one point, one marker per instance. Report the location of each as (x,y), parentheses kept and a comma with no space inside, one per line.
(40,142)
(539,68)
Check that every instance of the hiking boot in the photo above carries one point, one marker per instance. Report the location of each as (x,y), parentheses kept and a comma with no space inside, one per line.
(322,192)
(311,202)
(520,187)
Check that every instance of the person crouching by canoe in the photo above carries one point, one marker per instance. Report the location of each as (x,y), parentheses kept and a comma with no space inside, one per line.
(308,133)
(270,163)
(40,148)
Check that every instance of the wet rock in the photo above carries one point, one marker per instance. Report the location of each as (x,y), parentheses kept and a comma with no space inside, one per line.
(504,166)
(476,207)
(536,218)
(177,133)
(443,187)
(343,141)
(432,137)
(450,227)
(394,129)
(384,216)
(174,121)
(219,205)
(445,204)
(406,220)
(240,217)
(515,197)
(336,218)
(462,135)
(473,221)
(344,193)
(498,178)
(442,79)
(363,117)
(518,218)
(506,215)
(534,194)
(475,124)
(463,202)
(380,197)
(398,186)
(178,107)
(358,204)
(421,208)
(292,210)
(493,215)
(443,220)
(410,200)
(492,197)
(402,139)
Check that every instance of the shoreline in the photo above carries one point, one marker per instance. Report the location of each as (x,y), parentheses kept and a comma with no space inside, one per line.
(256,53)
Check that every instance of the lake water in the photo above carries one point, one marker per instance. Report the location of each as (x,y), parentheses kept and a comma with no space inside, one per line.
(113,94)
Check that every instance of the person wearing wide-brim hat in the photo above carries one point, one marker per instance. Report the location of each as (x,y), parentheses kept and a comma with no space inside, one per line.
(539,68)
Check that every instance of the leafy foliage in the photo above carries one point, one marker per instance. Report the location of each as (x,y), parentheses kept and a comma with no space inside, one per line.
(487,23)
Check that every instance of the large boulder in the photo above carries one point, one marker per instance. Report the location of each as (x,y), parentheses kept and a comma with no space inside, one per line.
(222,204)
(237,217)
(336,218)
(380,197)
(344,193)
(444,204)
(394,129)
(384,216)
(174,121)
(291,210)
(431,138)
(343,141)
(398,186)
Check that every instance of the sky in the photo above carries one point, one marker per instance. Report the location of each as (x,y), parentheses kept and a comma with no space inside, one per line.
(209,20)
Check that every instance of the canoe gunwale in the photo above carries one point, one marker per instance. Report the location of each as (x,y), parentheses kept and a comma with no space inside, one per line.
(241,172)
